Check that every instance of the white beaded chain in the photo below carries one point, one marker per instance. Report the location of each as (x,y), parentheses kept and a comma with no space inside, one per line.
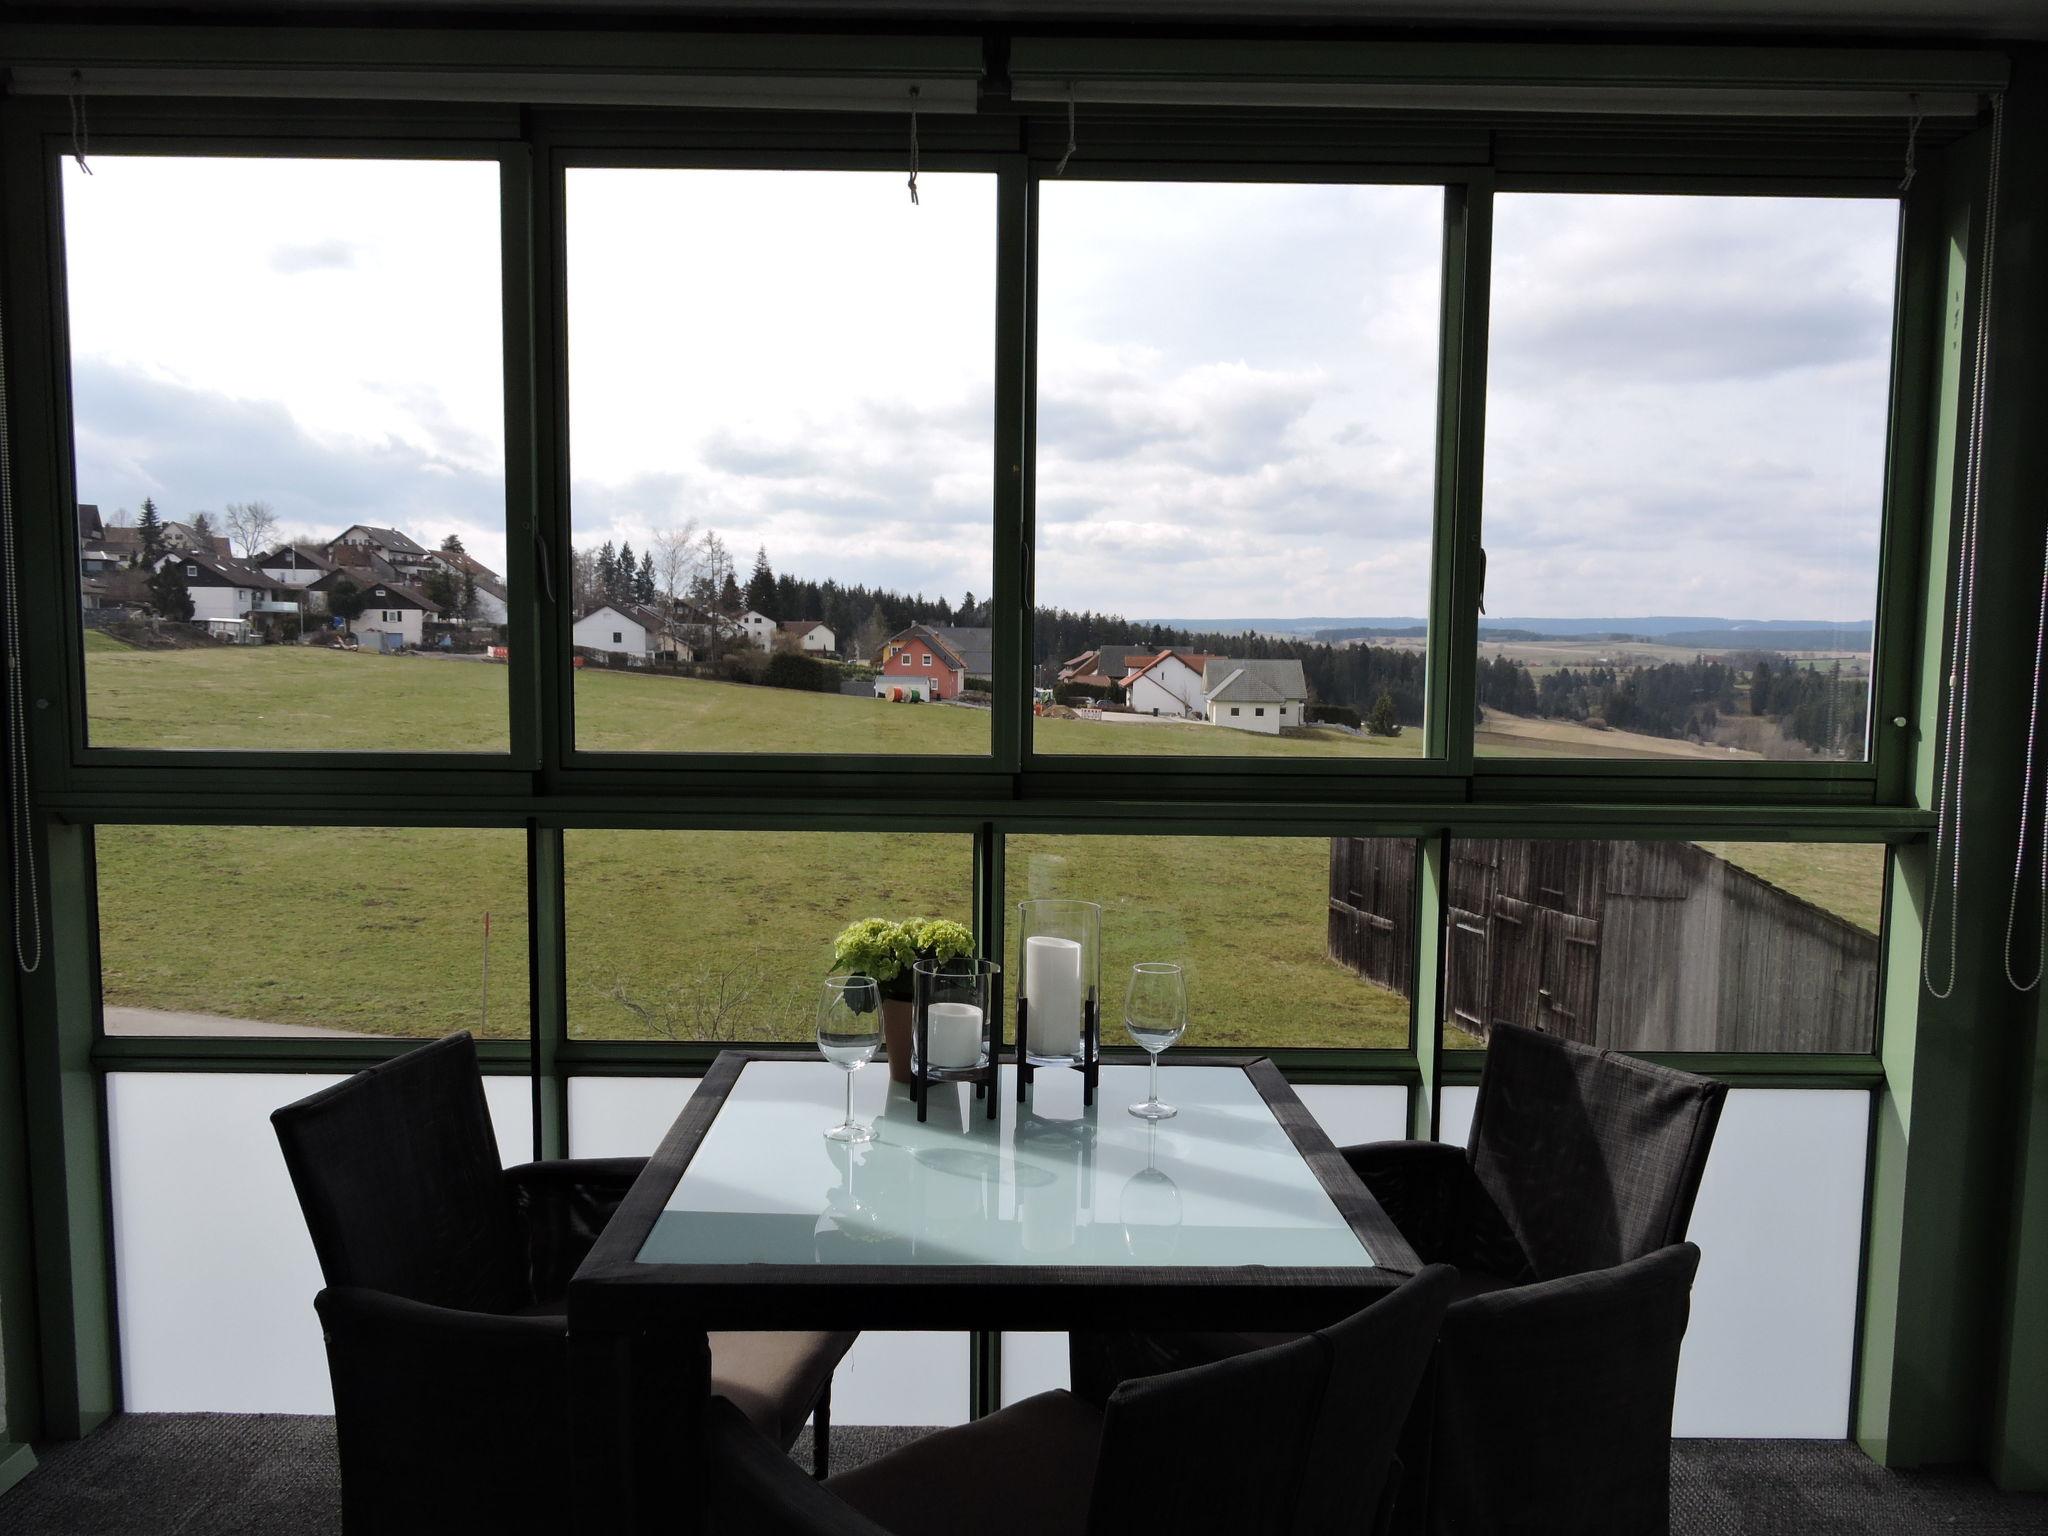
(1948,797)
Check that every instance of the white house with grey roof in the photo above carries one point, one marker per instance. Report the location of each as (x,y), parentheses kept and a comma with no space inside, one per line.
(1259,696)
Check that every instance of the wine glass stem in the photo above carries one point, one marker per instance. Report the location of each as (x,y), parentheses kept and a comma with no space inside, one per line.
(849,1098)
(1155,1075)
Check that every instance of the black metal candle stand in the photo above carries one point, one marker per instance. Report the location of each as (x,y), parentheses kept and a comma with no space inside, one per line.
(984,1077)
(1090,1064)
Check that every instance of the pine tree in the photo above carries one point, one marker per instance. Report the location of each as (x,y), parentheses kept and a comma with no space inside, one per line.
(168,597)
(623,576)
(607,571)
(643,583)
(761,585)
(730,598)
(466,604)
(202,524)
(150,528)
(1383,722)
(1760,688)
(452,545)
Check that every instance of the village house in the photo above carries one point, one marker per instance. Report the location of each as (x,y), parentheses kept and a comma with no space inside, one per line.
(1261,696)
(296,567)
(226,593)
(808,636)
(394,611)
(493,600)
(1170,683)
(630,631)
(932,662)
(388,544)
(758,628)
(1106,666)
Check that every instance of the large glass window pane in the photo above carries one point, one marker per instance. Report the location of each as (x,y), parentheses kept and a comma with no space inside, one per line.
(1685,448)
(1285,941)
(1665,946)
(1236,466)
(781,436)
(287,395)
(727,935)
(312,931)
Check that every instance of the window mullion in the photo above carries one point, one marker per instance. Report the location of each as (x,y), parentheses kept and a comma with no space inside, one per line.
(1457,562)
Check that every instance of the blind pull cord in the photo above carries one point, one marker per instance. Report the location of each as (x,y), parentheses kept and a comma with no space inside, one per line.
(2019,857)
(1061,168)
(28,912)
(913,146)
(79,130)
(1912,138)
(1955,723)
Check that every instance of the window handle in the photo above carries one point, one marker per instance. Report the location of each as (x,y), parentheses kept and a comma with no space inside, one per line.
(540,554)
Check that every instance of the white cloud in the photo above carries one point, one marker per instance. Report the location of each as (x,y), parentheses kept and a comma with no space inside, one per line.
(1237,383)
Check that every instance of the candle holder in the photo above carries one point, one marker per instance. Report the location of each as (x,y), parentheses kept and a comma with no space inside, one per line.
(954,1037)
(1059,1010)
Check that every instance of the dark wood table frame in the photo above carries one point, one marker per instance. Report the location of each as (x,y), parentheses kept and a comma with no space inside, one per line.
(636,1330)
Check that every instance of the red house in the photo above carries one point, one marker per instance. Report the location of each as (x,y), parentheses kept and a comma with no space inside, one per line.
(932,662)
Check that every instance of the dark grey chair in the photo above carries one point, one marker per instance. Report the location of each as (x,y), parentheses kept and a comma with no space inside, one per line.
(1287,1441)
(447,1337)
(1566,1212)
(1578,1159)
(1278,1442)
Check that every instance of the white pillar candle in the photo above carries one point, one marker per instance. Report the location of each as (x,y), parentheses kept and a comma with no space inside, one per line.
(955,1034)
(1052,987)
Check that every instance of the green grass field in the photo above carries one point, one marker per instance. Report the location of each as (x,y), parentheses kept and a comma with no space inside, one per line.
(679,934)
(302,699)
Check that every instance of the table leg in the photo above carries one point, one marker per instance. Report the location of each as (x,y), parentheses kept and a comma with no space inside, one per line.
(637,1401)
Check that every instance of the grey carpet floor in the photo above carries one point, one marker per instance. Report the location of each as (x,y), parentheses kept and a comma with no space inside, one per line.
(230,1474)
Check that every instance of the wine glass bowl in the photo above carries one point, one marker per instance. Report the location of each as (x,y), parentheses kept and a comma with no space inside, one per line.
(849,1032)
(1156,1016)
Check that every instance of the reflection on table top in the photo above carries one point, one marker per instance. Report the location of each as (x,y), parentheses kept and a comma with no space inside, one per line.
(1046,1182)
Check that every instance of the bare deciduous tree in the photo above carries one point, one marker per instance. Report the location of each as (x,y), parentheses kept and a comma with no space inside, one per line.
(715,1004)
(251,524)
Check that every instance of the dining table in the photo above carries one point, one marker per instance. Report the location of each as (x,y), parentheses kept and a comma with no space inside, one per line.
(1051,1214)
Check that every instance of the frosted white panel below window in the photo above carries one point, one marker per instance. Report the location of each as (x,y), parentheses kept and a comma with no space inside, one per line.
(1770,1349)
(1350,1113)
(1033,1363)
(903,1378)
(889,1378)
(1779,1222)
(624,1116)
(213,1271)
(1454,1115)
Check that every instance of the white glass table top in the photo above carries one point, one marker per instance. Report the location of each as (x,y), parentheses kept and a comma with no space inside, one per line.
(1046,1182)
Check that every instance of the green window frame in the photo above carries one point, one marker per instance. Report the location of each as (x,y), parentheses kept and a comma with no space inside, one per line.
(544,786)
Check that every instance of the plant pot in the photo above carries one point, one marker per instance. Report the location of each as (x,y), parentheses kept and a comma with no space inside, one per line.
(896,1037)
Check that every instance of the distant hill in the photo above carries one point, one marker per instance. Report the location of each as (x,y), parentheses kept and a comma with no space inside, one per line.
(1680,630)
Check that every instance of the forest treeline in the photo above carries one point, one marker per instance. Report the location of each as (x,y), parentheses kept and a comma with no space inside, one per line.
(1817,706)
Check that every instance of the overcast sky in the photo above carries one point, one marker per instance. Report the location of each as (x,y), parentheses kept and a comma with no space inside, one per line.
(1236,387)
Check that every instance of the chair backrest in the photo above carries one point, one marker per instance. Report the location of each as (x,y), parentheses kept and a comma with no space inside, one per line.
(1292,1439)
(1593,1159)
(1551,1405)
(398,1175)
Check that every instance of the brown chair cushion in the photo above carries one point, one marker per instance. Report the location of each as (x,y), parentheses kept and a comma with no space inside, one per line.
(775,1378)
(1028,1470)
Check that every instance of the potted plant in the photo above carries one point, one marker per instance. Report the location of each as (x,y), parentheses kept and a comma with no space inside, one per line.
(885,951)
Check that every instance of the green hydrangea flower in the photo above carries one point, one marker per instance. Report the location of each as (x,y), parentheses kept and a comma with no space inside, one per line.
(875,947)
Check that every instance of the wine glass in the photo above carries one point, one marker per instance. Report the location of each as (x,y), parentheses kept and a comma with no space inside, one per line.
(849,1031)
(1156,1014)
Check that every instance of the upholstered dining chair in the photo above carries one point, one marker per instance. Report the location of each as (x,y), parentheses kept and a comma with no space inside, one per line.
(1286,1441)
(1565,1214)
(444,1308)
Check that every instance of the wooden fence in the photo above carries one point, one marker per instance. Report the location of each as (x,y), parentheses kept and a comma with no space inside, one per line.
(1630,945)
